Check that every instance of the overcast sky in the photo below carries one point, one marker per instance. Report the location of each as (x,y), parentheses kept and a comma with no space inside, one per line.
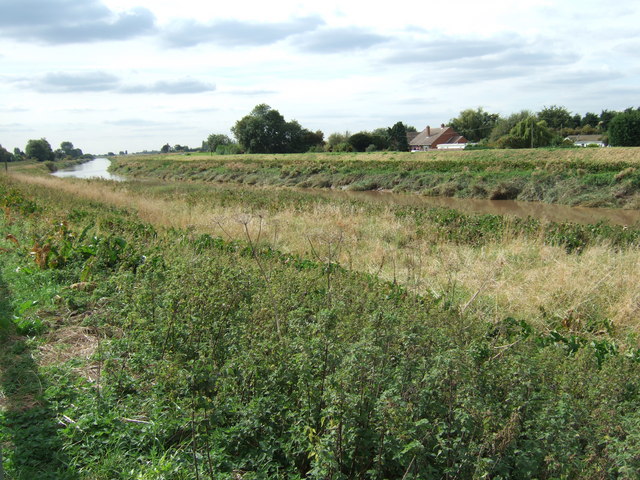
(112,75)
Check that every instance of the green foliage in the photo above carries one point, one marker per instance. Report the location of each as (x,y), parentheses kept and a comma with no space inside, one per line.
(214,141)
(360,141)
(557,118)
(265,130)
(504,125)
(474,125)
(398,137)
(191,377)
(39,150)
(530,133)
(5,156)
(624,129)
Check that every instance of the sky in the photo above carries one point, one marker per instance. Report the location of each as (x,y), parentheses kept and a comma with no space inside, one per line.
(133,75)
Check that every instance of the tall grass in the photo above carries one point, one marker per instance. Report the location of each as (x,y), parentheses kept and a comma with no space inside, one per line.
(192,378)
(538,271)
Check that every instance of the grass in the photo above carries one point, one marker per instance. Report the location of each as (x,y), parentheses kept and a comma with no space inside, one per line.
(177,368)
(523,267)
(588,177)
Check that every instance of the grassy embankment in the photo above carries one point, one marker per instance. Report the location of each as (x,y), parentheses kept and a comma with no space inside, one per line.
(589,177)
(548,273)
(142,352)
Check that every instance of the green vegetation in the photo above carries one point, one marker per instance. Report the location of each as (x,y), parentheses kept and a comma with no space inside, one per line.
(589,177)
(137,352)
(624,129)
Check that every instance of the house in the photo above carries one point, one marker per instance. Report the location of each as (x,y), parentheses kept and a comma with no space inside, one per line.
(585,140)
(443,138)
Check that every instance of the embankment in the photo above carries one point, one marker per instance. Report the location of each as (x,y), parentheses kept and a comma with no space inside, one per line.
(586,177)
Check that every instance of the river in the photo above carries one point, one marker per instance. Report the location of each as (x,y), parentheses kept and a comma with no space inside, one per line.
(98,168)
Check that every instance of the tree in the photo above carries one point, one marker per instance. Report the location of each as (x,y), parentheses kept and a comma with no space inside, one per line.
(504,125)
(360,141)
(591,119)
(265,130)
(39,150)
(215,140)
(558,117)
(336,139)
(262,131)
(605,118)
(530,133)
(398,137)
(5,156)
(165,148)
(624,129)
(474,125)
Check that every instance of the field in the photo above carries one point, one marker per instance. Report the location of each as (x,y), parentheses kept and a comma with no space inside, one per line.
(189,329)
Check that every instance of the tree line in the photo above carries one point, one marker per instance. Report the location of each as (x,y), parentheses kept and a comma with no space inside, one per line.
(549,127)
(41,151)
(264,130)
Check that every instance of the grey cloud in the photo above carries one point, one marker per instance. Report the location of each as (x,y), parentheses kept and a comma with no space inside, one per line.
(335,40)
(188,33)
(71,21)
(75,82)
(450,49)
(186,86)
(63,82)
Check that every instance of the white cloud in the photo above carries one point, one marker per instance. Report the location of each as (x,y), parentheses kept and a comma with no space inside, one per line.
(333,65)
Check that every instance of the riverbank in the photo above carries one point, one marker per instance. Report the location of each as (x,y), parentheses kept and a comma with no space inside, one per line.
(166,349)
(605,177)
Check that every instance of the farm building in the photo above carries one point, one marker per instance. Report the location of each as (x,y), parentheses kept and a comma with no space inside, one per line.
(443,138)
(585,140)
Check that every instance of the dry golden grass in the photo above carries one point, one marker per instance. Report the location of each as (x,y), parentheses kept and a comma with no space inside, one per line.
(519,276)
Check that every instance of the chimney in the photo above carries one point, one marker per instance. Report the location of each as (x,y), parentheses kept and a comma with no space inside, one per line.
(428,131)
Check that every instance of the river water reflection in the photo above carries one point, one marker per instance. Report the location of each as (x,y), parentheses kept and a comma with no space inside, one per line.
(97,168)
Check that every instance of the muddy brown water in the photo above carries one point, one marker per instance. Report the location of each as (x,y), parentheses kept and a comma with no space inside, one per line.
(541,211)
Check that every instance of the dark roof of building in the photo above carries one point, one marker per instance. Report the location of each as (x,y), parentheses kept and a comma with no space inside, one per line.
(585,138)
(427,136)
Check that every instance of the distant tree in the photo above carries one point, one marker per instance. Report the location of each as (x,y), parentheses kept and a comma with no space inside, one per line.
(298,139)
(605,117)
(39,150)
(312,140)
(264,130)
(531,132)
(5,156)
(165,148)
(397,135)
(624,129)
(360,141)
(343,147)
(215,140)
(474,125)
(558,117)
(336,139)
(591,119)
(504,125)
